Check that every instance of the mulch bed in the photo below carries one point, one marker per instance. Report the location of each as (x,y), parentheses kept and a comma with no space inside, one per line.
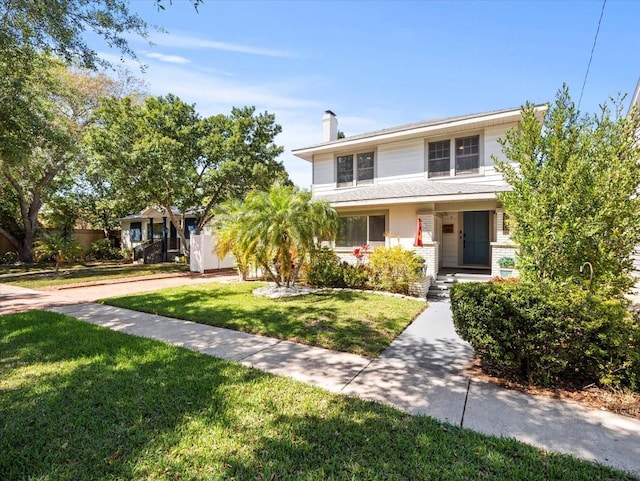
(626,403)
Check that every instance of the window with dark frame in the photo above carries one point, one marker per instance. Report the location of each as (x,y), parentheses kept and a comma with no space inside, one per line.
(345,170)
(189,227)
(362,171)
(468,155)
(439,158)
(135,232)
(365,168)
(357,230)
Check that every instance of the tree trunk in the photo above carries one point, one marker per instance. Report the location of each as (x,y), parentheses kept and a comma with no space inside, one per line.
(179,231)
(25,254)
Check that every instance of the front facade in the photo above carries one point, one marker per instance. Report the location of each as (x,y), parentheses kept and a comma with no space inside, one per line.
(437,176)
(152,230)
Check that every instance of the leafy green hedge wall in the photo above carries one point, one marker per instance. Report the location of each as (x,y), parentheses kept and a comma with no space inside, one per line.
(547,333)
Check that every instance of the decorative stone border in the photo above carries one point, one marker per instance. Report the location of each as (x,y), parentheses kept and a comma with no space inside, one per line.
(273,292)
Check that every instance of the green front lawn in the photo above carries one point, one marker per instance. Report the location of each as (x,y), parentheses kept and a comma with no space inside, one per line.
(35,280)
(79,402)
(361,323)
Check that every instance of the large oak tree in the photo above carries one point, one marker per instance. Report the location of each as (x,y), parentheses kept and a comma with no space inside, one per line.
(162,152)
(62,103)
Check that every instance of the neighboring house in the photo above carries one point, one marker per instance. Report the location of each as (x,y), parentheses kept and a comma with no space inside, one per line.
(151,235)
(435,175)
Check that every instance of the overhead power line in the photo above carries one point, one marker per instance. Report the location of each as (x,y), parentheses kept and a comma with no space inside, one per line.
(595,40)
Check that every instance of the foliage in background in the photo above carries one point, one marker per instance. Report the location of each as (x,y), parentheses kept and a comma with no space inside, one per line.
(394,269)
(43,113)
(57,247)
(544,335)
(8,257)
(574,196)
(62,101)
(103,249)
(182,159)
(278,230)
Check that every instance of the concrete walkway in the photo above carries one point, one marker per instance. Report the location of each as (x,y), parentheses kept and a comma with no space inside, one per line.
(421,372)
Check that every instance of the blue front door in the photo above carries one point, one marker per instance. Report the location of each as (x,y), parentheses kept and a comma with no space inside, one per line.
(475,238)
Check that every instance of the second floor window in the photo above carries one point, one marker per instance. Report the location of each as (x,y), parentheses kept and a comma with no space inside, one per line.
(345,170)
(365,168)
(359,172)
(439,158)
(468,155)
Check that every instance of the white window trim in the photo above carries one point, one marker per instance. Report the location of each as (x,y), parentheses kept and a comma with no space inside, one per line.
(354,182)
(452,156)
(385,213)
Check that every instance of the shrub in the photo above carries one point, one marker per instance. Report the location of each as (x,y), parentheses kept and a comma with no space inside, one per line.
(324,269)
(57,247)
(545,333)
(507,262)
(9,257)
(103,249)
(354,277)
(393,269)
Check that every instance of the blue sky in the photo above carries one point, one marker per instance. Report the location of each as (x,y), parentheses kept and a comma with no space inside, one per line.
(380,64)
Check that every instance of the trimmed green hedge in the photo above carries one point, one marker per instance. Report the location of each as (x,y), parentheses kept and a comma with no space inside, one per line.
(546,333)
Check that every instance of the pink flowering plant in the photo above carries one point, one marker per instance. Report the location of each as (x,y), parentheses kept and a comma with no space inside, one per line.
(361,253)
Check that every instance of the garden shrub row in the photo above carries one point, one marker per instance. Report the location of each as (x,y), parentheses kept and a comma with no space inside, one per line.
(391,269)
(547,334)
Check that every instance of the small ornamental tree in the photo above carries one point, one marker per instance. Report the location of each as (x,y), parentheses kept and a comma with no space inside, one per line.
(57,247)
(277,230)
(574,200)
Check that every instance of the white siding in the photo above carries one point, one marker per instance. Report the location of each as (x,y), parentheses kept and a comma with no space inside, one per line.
(402,225)
(323,178)
(491,145)
(400,161)
(450,242)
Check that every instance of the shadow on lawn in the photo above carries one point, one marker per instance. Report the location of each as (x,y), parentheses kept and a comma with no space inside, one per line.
(108,405)
(311,319)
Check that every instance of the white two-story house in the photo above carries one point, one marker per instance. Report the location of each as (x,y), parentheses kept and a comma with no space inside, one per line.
(437,176)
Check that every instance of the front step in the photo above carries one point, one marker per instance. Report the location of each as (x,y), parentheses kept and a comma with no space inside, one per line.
(439,289)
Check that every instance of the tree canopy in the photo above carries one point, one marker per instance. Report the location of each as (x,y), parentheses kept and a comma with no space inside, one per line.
(62,101)
(162,152)
(575,190)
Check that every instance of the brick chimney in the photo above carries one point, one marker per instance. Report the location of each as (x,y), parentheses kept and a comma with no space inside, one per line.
(329,126)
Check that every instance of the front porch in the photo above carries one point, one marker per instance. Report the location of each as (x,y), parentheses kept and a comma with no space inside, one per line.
(152,237)
(465,244)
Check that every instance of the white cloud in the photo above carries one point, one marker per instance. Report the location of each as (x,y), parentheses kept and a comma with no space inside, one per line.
(168,58)
(188,42)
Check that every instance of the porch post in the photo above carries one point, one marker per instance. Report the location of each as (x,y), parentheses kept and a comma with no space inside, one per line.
(503,246)
(164,238)
(429,249)
(150,231)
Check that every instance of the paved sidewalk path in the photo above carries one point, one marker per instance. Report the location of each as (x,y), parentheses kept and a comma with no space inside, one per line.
(421,372)
(16,299)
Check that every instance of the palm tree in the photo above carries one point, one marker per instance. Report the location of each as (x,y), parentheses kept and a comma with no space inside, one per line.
(278,230)
(58,247)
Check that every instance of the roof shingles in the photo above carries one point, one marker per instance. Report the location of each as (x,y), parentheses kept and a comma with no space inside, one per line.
(409,190)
